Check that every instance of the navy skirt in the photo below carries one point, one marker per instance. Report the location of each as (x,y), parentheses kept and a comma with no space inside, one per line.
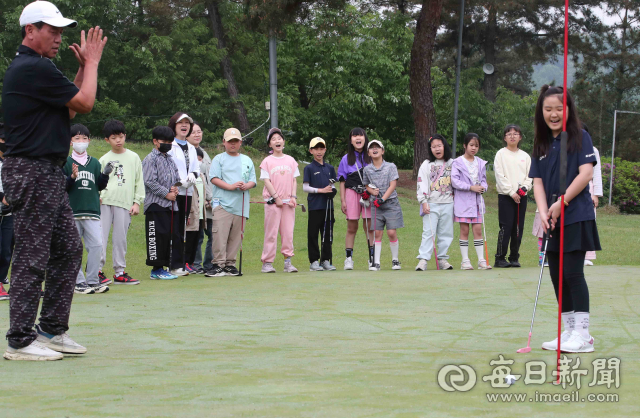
(580,236)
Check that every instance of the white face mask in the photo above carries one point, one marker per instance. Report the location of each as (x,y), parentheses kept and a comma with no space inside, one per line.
(80,147)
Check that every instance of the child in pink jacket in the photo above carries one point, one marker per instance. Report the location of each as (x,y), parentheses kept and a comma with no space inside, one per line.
(279,172)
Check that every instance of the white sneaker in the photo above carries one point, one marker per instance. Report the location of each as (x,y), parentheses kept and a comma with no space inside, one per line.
(36,351)
(61,343)
(395,265)
(179,272)
(466,265)
(348,263)
(267,268)
(578,344)
(315,266)
(588,263)
(374,267)
(483,265)
(422,265)
(288,267)
(327,266)
(444,265)
(553,345)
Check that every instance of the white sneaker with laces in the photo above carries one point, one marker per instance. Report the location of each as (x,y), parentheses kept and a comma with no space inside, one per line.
(348,263)
(422,265)
(327,266)
(179,272)
(466,265)
(36,351)
(61,343)
(588,263)
(444,265)
(553,345)
(483,265)
(267,268)
(395,265)
(289,268)
(315,266)
(578,344)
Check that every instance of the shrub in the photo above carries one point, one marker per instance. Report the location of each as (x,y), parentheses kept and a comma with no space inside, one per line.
(626,185)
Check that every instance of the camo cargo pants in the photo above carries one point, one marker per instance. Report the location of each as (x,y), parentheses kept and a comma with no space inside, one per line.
(47,248)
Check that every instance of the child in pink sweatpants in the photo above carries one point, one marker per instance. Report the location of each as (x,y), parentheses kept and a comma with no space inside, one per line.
(279,172)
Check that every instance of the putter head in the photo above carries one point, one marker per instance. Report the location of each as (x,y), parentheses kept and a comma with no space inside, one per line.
(524,350)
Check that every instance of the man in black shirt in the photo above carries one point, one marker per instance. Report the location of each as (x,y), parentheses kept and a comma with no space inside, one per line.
(38,102)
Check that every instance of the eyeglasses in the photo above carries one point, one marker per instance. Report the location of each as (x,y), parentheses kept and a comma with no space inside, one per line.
(512,135)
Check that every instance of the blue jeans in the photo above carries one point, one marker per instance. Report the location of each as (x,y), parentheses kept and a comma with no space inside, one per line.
(208,253)
(6,244)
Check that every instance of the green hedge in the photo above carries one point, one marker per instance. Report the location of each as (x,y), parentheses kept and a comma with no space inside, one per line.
(626,185)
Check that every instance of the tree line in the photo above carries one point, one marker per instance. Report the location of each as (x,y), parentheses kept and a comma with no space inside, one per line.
(385,65)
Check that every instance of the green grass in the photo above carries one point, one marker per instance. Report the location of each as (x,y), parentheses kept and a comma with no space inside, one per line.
(329,344)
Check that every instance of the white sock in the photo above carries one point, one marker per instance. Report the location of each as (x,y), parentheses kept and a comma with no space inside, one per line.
(479,245)
(376,256)
(464,249)
(569,320)
(582,324)
(395,246)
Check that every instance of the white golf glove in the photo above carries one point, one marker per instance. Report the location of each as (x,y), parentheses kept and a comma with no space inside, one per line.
(191,179)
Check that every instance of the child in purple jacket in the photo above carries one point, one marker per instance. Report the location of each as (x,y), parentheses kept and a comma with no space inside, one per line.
(469,179)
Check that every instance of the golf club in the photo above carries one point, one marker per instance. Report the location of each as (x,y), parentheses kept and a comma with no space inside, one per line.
(186,218)
(367,225)
(241,236)
(484,230)
(178,184)
(304,209)
(535,304)
(433,237)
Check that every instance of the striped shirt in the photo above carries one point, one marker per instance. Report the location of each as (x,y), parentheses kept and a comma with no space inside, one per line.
(381,177)
(160,173)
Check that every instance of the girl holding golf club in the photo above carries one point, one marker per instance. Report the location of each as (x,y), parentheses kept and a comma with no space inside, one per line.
(511,166)
(580,231)
(353,195)
(279,172)
(469,179)
(435,194)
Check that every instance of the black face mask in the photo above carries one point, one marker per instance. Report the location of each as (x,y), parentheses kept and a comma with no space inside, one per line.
(164,148)
(3,147)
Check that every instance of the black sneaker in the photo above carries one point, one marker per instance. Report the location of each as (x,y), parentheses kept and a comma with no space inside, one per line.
(99,288)
(501,263)
(199,270)
(216,271)
(231,271)
(515,263)
(104,279)
(83,289)
(5,280)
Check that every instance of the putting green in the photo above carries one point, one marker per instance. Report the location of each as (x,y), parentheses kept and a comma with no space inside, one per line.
(330,344)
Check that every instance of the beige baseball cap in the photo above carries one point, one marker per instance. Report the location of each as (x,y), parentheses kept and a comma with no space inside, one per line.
(315,141)
(232,133)
(43,11)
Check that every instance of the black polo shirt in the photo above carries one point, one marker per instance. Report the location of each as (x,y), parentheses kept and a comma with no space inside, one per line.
(547,168)
(318,175)
(34,96)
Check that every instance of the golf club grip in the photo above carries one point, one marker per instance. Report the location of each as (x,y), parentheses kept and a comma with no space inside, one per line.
(563,162)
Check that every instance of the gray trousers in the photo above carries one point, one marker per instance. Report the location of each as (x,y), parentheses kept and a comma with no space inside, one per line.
(90,231)
(120,219)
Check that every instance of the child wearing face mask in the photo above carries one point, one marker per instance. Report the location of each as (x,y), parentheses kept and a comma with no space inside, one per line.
(161,179)
(84,183)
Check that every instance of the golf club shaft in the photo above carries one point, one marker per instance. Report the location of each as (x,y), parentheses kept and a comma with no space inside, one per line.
(241,236)
(535,303)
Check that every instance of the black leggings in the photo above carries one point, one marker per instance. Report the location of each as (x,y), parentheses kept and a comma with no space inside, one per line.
(575,293)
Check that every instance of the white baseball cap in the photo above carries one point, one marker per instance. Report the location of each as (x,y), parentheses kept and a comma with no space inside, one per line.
(185,116)
(375,141)
(43,11)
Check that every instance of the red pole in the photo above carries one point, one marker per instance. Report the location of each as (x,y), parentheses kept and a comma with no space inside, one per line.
(563,187)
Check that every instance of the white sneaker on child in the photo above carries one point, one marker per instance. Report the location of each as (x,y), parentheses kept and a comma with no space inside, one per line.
(315,266)
(578,344)
(288,267)
(267,268)
(395,265)
(422,265)
(483,265)
(466,265)
(348,263)
(553,345)
(444,265)
(327,266)
(588,263)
